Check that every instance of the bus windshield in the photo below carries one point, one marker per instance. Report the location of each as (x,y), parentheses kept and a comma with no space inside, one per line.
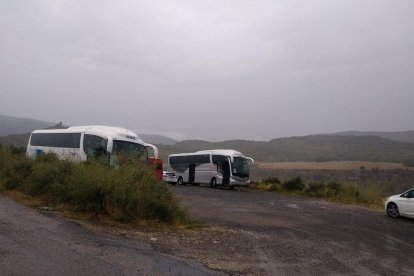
(240,167)
(123,151)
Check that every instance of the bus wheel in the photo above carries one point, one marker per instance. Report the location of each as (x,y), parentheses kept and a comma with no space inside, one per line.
(213,183)
(180,181)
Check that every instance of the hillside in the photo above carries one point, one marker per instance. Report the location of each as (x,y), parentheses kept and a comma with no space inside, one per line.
(157,139)
(345,146)
(401,136)
(14,125)
(308,148)
(17,140)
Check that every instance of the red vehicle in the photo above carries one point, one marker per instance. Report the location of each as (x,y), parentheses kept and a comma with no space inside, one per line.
(155,161)
(158,166)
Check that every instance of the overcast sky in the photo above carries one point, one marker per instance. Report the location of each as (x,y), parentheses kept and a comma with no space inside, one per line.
(212,70)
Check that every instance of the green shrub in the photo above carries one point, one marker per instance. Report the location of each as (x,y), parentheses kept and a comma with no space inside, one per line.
(316,190)
(294,184)
(371,195)
(130,192)
(333,189)
(271,180)
(14,169)
(274,187)
(47,173)
(349,193)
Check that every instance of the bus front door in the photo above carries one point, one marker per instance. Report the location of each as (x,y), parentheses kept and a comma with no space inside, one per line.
(191,173)
(226,173)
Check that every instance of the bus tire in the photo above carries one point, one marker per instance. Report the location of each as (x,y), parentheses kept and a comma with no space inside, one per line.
(180,181)
(213,183)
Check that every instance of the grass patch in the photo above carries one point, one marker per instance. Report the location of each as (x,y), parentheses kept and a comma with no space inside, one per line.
(371,195)
(126,194)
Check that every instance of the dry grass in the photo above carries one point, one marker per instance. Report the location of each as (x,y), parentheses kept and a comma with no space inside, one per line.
(24,199)
(331,165)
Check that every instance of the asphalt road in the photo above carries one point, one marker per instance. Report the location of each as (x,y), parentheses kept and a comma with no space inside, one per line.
(282,235)
(33,242)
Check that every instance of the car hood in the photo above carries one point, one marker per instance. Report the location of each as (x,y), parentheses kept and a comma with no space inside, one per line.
(393,197)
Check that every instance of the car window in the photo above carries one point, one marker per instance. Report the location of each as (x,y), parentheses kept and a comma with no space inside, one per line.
(410,194)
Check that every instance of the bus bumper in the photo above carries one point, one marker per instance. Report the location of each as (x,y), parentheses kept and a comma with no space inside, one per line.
(236,183)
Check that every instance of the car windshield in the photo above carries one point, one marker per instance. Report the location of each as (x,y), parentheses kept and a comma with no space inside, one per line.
(240,167)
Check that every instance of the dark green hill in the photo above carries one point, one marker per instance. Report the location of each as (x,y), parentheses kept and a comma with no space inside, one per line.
(307,148)
(14,125)
(18,140)
(157,139)
(347,146)
(402,136)
(21,140)
(333,147)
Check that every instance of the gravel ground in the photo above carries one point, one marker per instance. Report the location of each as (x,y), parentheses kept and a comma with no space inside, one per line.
(239,232)
(251,232)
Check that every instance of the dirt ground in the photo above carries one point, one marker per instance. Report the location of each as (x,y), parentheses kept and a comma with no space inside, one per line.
(247,232)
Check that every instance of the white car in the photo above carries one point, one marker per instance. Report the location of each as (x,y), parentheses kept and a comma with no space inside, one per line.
(401,205)
(169,177)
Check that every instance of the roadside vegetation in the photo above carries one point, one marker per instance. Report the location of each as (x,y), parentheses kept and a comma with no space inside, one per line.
(128,193)
(369,195)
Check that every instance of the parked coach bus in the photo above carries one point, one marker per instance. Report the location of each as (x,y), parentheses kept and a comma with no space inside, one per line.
(80,142)
(214,167)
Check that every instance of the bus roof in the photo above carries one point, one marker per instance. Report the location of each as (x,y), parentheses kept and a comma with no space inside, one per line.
(117,133)
(226,152)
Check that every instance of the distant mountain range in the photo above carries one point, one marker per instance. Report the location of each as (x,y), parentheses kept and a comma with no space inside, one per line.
(13,125)
(308,148)
(157,139)
(402,136)
(346,146)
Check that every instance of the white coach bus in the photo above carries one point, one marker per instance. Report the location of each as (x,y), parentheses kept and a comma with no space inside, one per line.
(228,168)
(77,143)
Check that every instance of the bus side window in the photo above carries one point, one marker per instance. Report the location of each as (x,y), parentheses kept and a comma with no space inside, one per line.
(94,145)
(218,160)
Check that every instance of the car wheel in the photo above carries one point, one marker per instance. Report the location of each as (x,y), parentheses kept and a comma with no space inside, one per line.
(213,183)
(392,210)
(180,181)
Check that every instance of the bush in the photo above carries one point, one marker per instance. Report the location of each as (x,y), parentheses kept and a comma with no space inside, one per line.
(126,193)
(17,150)
(294,184)
(271,180)
(349,193)
(333,189)
(316,190)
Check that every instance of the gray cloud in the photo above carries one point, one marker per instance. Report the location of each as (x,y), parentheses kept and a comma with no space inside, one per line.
(210,69)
